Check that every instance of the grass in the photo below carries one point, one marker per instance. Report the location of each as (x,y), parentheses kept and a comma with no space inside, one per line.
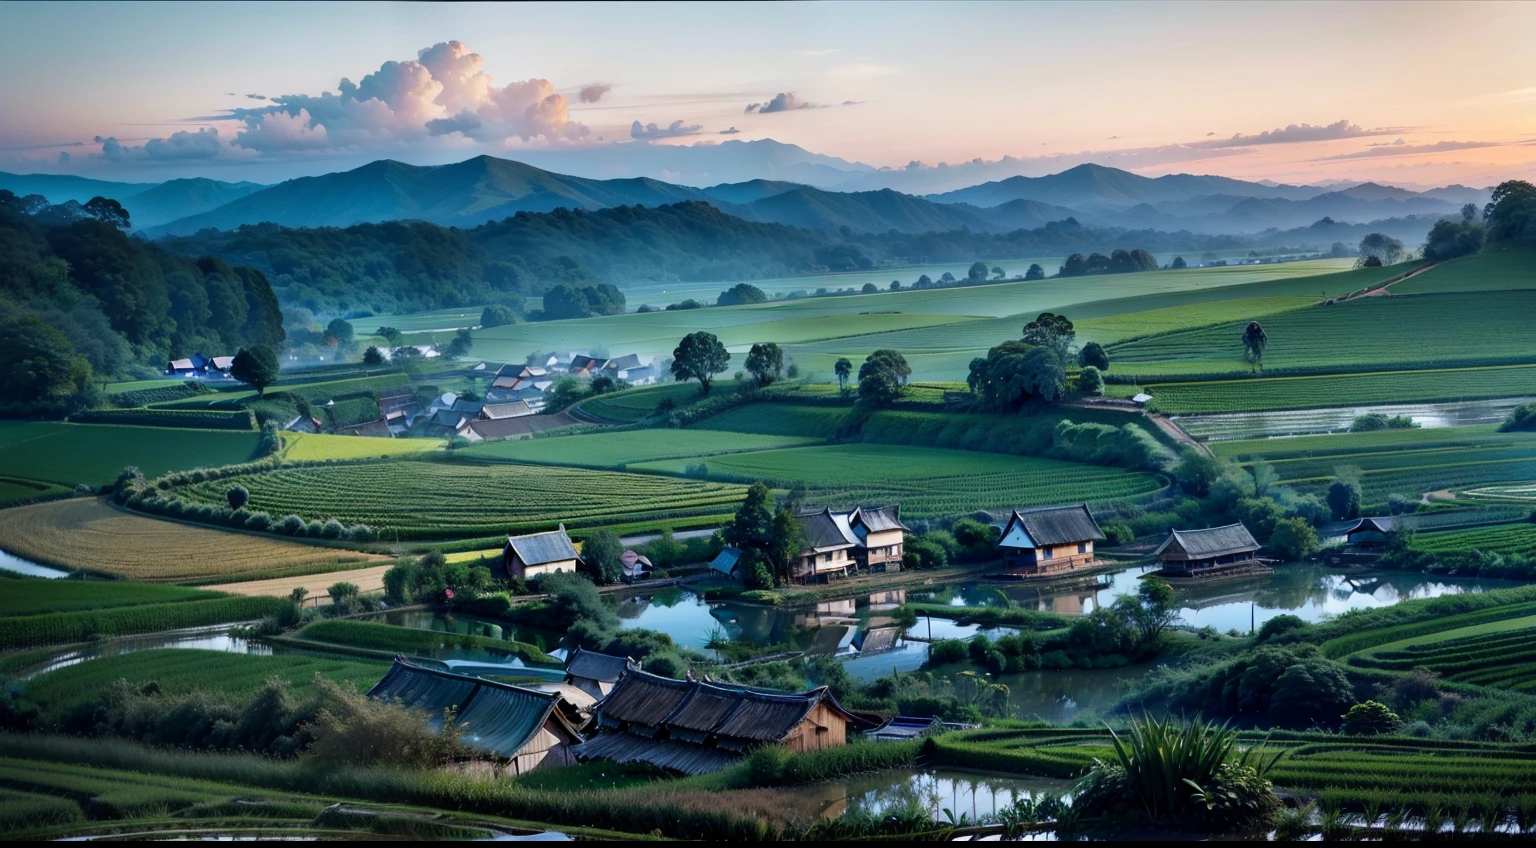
(30,596)
(1477,328)
(27,631)
(1151,322)
(89,534)
(637,404)
(313,447)
(437,500)
(929,482)
(385,637)
(615,450)
(95,454)
(296,386)
(177,670)
(778,419)
(14,490)
(1507,269)
(1433,385)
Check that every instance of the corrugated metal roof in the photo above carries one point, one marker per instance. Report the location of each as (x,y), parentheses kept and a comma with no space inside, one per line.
(539,548)
(494,717)
(1211,542)
(1057,525)
(640,698)
(600,667)
(725,561)
(826,530)
(879,518)
(662,753)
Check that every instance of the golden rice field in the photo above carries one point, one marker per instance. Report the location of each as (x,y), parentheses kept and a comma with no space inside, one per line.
(90,534)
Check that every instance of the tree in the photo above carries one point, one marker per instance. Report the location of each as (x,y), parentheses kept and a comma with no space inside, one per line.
(497,315)
(844,370)
(1052,331)
(1449,239)
(578,301)
(870,288)
(1090,381)
(1468,213)
(740,294)
(601,552)
(1197,471)
(752,526)
(1179,263)
(1014,373)
(1094,354)
(463,340)
(998,273)
(946,277)
(390,335)
(977,272)
(1035,272)
(1387,250)
(883,376)
(1293,539)
(786,542)
(1152,610)
(237,496)
(256,367)
(895,285)
(765,362)
(699,356)
(1511,216)
(1254,342)
(1313,691)
(1371,718)
(339,331)
(1344,499)
(107,211)
(923,282)
(373,356)
(40,372)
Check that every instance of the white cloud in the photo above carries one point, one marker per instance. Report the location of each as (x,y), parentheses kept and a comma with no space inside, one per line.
(1297,133)
(674,130)
(181,145)
(784,101)
(280,131)
(1399,148)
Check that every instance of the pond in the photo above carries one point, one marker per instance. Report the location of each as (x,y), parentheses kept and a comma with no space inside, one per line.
(214,638)
(933,790)
(467,660)
(1297,422)
(13,563)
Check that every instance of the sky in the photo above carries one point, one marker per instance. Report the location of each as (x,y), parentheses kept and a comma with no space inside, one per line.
(1416,94)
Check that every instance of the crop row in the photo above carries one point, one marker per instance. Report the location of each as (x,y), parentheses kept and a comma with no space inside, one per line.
(385,637)
(1340,445)
(207,419)
(1440,384)
(31,597)
(26,631)
(1508,539)
(614,450)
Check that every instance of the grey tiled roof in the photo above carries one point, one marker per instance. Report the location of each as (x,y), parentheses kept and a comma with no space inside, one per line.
(1058,525)
(878,518)
(539,548)
(826,530)
(1215,541)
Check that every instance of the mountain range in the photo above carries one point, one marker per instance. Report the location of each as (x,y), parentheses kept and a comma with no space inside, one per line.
(485,188)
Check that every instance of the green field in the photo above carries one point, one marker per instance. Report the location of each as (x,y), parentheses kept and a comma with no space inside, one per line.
(1508,269)
(778,419)
(424,499)
(1408,462)
(1451,384)
(1503,539)
(1425,331)
(928,482)
(30,596)
(30,631)
(614,450)
(384,637)
(1500,654)
(178,670)
(314,391)
(14,490)
(311,447)
(633,405)
(96,453)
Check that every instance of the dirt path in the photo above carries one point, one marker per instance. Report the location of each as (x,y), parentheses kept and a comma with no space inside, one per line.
(1381,288)
(1177,433)
(367,580)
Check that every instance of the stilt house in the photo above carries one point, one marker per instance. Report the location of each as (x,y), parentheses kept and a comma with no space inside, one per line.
(1205,553)
(1049,540)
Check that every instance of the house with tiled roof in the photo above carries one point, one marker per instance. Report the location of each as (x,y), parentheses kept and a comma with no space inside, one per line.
(596,673)
(1214,551)
(527,557)
(830,546)
(1049,540)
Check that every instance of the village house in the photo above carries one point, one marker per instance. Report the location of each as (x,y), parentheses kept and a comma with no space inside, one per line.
(514,729)
(1049,540)
(1369,534)
(596,673)
(527,557)
(726,563)
(830,546)
(303,424)
(881,535)
(585,366)
(697,727)
(499,411)
(483,430)
(1214,552)
(378,429)
(633,369)
(198,365)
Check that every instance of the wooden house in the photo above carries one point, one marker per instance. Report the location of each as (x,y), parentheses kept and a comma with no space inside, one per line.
(585,366)
(515,728)
(596,673)
(1368,534)
(881,535)
(830,545)
(1049,540)
(527,557)
(1217,551)
(697,727)
(633,369)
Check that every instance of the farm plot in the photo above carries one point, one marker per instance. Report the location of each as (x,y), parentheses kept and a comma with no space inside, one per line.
(1509,269)
(1519,494)
(1290,422)
(929,482)
(1135,325)
(30,596)
(1385,387)
(615,450)
(633,405)
(320,391)
(308,447)
(777,419)
(419,499)
(15,490)
(1500,654)
(1481,328)
(1504,539)
(95,454)
(91,535)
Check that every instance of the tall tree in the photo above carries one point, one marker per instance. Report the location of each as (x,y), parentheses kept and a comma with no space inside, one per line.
(497,315)
(463,340)
(108,211)
(752,526)
(340,331)
(883,376)
(765,362)
(1381,246)
(1051,331)
(1035,272)
(1094,354)
(699,356)
(741,293)
(844,370)
(256,367)
(1014,373)
(1511,216)
(977,272)
(1254,342)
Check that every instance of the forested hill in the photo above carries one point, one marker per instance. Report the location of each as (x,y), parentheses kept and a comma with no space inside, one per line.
(81,301)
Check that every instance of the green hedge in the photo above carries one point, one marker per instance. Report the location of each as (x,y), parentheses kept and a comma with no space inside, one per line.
(26,631)
(207,419)
(164,394)
(385,637)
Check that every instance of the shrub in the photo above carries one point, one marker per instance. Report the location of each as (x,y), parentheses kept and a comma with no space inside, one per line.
(765,766)
(258,521)
(1370,718)
(237,496)
(291,525)
(947,651)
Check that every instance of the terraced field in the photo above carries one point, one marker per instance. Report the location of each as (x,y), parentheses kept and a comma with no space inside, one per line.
(1169,319)
(1504,539)
(778,419)
(417,499)
(1518,494)
(311,447)
(1385,387)
(638,404)
(88,534)
(929,482)
(95,454)
(615,450)
(1423,331)
(1501,654)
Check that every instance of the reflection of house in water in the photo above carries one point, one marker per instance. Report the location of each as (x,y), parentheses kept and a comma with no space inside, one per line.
(874,640)
(834,640)
(826,612)
(888,599)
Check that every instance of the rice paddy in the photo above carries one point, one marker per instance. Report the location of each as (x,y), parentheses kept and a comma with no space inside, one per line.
(616,450)
(1503,539)
(1381,387)
(313,447)
(88,534)
(1500,654)
(95,454)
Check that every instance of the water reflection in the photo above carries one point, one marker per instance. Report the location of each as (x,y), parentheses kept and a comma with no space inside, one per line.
(215,638)
(1249,425)
(13,563)
(932,790)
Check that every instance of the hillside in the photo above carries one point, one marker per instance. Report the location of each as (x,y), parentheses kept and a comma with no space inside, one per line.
(1092,186)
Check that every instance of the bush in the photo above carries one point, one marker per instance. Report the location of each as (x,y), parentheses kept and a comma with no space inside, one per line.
(765,766)
(1370,719)
(1522,417)
(947,651)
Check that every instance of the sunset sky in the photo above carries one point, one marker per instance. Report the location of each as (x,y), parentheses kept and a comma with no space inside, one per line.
(1410,93)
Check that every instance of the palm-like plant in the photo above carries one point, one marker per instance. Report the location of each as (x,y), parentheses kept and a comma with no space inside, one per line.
(1168,763)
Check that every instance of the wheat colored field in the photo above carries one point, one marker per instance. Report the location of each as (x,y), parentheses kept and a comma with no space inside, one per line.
(92,535)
